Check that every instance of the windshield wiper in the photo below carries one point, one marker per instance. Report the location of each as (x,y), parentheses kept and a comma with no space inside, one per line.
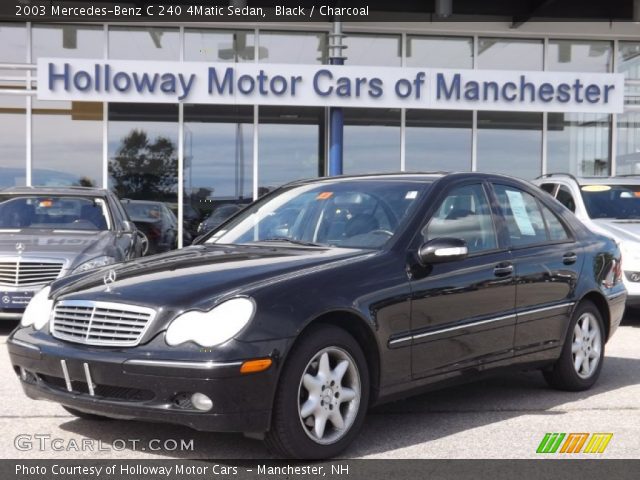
(290,240)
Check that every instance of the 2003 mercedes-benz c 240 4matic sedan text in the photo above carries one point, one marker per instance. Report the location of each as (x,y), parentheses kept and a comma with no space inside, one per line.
(323,298)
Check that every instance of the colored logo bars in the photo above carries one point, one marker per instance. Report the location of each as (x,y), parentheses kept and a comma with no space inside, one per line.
(574,443)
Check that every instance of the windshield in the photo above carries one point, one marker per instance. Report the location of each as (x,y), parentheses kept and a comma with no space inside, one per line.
(612,201)
(354,214)
(53,212)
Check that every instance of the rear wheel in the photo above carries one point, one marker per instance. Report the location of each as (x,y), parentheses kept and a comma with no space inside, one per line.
(322,396)
(83,415)
(582,356)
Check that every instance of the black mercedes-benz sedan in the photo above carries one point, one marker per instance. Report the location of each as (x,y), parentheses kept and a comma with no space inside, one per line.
(323,298)
(49,232)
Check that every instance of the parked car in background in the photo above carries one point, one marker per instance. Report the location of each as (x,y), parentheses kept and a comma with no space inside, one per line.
(47,233)
(609,206)
(217,217)
(325,297)
(157,222)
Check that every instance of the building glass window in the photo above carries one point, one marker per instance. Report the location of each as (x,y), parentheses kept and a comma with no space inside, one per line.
(628,133)
(13,38)
(510,54)
(377,50)
(510,143)
(438,140)
(290,145)
(579,56)
(578,143)
(66,143)
(439,52)
(218,159)
(67,41)
(371,140)
(234,46)
(293,47)
(144,43)
(13,140)
(143,151)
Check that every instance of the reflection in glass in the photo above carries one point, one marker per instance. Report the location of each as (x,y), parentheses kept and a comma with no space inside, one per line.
(293,47)
(143,151)
(629,64)
(438,140)
(579,56)
(13,140)
(290,145)
(371,140)
(578,143)
(144,43)
(510,143)
(628,145)
(219,45)
(381,50)
(510,54)
(67,41)
(13,38)
(439,52)
(218,158)
(67,143)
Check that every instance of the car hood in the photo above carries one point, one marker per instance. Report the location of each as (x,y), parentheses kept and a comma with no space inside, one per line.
(622,230)
(73,247)
(197,276)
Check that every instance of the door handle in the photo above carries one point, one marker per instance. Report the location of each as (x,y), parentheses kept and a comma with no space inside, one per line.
(503,270)
(569,258)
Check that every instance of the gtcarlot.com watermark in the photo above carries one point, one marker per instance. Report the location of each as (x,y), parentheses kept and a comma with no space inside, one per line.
(43,442)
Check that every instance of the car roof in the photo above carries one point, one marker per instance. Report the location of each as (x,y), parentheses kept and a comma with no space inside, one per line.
(618,180)
(69,191)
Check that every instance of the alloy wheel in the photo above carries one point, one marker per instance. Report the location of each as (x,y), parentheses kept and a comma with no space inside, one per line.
(329,395)
(586,346)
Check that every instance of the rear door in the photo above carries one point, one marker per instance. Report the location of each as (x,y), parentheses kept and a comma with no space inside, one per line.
(547,262)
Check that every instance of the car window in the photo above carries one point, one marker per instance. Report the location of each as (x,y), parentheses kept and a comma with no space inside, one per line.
(548,187)
(612,201)
(53,212)
(565,198)
(556,229)
(522,213)
(464,214)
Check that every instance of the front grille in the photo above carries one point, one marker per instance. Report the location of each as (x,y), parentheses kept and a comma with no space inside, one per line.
(28,273)
(110,392)
(100,323)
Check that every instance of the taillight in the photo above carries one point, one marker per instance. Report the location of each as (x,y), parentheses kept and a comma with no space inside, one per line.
(614,276)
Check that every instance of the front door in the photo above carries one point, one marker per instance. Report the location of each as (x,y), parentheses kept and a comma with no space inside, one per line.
(463,312)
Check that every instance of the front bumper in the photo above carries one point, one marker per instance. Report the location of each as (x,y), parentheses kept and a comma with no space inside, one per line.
(633,289)
(127,384)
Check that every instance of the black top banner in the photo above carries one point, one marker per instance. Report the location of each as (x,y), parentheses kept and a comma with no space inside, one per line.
(260,11)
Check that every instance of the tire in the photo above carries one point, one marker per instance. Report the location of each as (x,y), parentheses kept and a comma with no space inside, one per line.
(85,416)
(316,387)
(564,375)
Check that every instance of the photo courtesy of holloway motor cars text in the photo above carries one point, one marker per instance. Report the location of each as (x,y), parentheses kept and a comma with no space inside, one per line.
(319,239)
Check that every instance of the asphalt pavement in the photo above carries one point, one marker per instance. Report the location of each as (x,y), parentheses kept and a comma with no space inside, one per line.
(502,417)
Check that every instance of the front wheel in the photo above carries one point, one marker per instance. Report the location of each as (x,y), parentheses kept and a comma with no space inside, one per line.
(582,356)
(322,396)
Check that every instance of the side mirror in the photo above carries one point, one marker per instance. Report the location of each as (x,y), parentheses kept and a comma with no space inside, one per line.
(128,227)
(440,250)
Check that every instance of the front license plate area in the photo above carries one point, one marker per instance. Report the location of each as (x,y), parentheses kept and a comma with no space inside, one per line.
(86,373)
(15,300)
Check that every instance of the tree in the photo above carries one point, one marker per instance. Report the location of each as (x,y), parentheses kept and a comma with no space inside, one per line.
(145,170)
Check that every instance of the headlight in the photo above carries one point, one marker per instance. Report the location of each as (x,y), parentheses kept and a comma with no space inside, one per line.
(214,327)
(38,311)
(94,263)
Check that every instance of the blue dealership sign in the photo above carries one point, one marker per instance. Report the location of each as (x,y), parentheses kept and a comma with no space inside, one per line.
(328,85)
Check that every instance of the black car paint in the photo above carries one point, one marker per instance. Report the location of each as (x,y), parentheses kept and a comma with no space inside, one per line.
(385,298)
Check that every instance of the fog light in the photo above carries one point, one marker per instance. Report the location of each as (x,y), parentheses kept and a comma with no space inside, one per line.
(201,402)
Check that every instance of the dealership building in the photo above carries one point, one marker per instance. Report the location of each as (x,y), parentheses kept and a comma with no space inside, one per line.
(517,96)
